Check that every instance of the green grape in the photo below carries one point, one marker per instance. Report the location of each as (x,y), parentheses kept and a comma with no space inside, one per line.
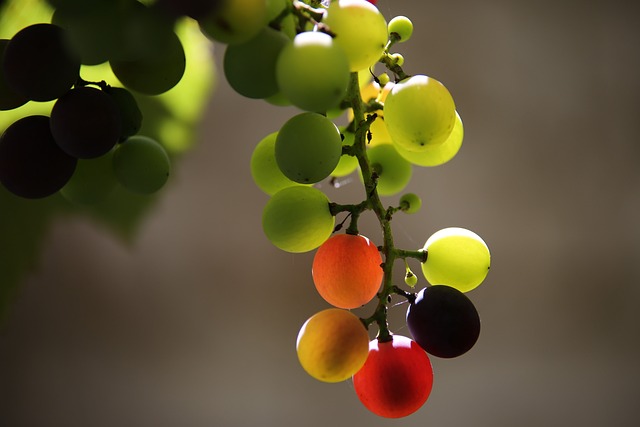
(419,113)
(456,257)
(308,148)
(402,26)
(439,154)
(236,21)
(156,73)
(311,55)
(360,29)
(297,219)
(394,172)
(141,165)
(278,99)
(264,170)
(288,23)
(250,67)
(347,164)
(410,203)
(92,180)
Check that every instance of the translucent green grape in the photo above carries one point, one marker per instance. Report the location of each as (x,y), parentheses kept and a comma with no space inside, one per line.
(410,203)
(141,165)
(394,172)
(308,148)
(456,257)
(264,169)
(297,219)
(439,154)
(360,29)
(250,67)
(419,113)
(313,72)
(402,26)
(236,21)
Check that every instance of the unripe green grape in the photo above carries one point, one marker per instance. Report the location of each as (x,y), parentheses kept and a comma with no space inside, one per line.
(264,170)
(397,59)
(250,67)
(313,72)
(308,148)
(297,219)
(141,165)
(402,26)
(92,181)
(394,172)
(410,203)
(384,79)
(456,257)
(419,113)
(439,154)
(347,164)
(410,279)
(236,21)
(360,29)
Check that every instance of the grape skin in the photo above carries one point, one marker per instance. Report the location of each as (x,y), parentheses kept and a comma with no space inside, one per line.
(9,98)
(141,165)
(31,163)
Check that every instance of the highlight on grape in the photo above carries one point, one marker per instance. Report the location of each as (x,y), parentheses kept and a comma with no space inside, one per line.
(320,57)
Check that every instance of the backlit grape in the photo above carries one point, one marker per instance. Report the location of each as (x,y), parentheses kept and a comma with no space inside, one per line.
(346,164)
(236,21)
(394,172)
(264,169)
(308,148)
(456,257)
(346,270)
(298,219)
(141,165)
(332,345)
(9,98)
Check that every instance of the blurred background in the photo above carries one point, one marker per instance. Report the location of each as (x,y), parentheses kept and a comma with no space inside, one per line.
(194,321)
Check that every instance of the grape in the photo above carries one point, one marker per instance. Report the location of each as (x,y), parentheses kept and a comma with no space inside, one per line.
(310,55)
(439,154)
(236,21)
(85,122)
(379,132)
(31,163)
(346,164)
(394,172)
(250,67)
(146,34)
(141,165)
(419,113)
(410,203)
(9,98)
(92,181)
(396,379)
(264,169)
(346,270)
(443,321)
(297,219)
(332,345)
(456,257)
(153,74)
(360,30)
(402,26)
(308,148)
(38,64)
(130,114)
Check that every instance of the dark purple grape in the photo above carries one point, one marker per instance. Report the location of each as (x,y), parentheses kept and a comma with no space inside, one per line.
(39,64)
(195,9)
(443,321)
(130,114)
(86,122)
(31,163)
(9,98)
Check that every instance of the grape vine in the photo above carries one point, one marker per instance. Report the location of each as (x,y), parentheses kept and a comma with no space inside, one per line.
(320,57)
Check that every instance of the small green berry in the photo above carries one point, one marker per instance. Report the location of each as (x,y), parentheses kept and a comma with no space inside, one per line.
(402,26)
(410,203)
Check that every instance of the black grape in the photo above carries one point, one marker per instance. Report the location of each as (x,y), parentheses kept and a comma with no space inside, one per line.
(31,163)
(9,98)
(195,9)
(130,114)
(39,64)
(86,122)
(443,321)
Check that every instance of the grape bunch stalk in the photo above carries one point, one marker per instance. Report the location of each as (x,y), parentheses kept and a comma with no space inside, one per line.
(320,57)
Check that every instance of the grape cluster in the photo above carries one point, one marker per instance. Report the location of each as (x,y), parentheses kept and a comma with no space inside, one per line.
(320,57)
(92,126)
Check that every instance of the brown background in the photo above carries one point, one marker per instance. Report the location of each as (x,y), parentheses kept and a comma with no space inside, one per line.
(194,324)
